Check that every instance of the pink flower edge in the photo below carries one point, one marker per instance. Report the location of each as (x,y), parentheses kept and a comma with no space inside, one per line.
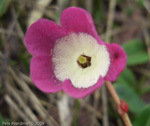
(118,61)
(76,19)
(41,36)
(82,92)
(41,72)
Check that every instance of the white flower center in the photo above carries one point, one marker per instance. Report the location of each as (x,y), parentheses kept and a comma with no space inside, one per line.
(75,50)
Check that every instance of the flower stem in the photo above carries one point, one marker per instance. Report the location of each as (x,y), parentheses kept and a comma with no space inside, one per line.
(116,98)
(77,104)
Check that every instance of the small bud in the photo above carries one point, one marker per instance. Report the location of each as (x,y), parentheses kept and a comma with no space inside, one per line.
(123,106)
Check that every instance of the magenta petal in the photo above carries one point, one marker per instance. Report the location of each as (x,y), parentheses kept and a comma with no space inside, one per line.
(80,92)
(41,36)
(42,74)
(77,20)
(118,61)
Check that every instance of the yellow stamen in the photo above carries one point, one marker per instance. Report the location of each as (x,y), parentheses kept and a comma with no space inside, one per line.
(82,59)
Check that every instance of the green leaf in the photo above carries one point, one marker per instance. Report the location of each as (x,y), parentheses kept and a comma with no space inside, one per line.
(148,122)
(139,88)
(145,90)
(126,77)
(136,52)
(143,119)
(133,45)
(137,58)
(130,97)
(3,6)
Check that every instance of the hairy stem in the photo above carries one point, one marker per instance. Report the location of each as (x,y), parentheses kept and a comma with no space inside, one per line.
(115,96)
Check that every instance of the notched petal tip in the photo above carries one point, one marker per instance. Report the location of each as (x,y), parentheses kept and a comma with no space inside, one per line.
(118,61)
(77,20)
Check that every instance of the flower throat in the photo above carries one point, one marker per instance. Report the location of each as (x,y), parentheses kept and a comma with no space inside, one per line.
(84,61)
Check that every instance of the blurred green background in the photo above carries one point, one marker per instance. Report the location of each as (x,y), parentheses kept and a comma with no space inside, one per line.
(21,101)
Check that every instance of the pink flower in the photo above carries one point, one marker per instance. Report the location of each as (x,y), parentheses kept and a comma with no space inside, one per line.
(71,57)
